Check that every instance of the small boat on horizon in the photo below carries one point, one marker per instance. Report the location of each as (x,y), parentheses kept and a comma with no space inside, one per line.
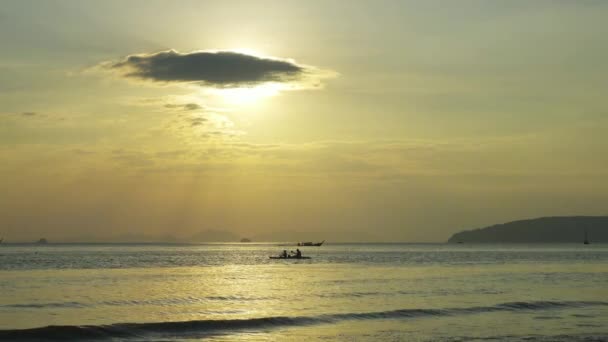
(290,257)
(311,243)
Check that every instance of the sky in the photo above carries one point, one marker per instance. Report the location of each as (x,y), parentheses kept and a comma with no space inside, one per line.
(298,120)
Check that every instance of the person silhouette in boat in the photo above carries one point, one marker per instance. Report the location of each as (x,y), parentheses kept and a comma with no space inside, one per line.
(298,253)
(284,254)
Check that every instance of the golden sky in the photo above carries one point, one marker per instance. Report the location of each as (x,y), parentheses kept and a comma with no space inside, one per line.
(289,120)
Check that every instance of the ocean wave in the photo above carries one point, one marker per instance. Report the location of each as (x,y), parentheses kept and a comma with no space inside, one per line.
(204,327)
(156,301)
(44,305)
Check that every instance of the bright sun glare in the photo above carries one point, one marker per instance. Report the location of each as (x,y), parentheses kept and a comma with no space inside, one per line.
(247,95)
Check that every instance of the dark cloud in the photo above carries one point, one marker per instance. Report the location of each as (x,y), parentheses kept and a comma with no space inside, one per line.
(187,106)
(221,68)
(17,113)
(192,106)
(198,121)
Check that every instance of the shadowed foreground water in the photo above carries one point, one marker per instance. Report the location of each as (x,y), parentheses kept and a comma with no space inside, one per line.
(360,292)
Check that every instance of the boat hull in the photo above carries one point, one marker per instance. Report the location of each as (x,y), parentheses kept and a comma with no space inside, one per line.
(317,244)
(293,258)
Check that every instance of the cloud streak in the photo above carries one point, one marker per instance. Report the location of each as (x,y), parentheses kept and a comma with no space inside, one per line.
(222,69)
(184,107)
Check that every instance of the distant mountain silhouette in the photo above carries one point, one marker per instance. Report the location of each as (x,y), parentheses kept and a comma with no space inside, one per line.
(568,229)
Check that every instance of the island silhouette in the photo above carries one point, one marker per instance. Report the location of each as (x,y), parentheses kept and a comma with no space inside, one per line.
(558,229)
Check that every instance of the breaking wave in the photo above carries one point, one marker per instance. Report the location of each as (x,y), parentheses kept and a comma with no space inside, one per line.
(205,327)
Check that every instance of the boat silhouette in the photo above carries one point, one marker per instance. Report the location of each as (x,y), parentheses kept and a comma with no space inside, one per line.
(290,257)
(311,243)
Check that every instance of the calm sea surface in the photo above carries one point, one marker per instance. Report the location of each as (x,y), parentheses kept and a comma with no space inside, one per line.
(231,292)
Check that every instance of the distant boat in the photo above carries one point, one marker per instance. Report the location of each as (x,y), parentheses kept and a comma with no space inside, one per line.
(289,258)
(586,241)
(42,241)
(245,240)
(311,243)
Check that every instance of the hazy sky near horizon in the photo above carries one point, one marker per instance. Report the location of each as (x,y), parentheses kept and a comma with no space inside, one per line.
(361,120)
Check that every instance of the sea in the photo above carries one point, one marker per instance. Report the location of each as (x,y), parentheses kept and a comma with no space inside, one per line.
(345,292)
